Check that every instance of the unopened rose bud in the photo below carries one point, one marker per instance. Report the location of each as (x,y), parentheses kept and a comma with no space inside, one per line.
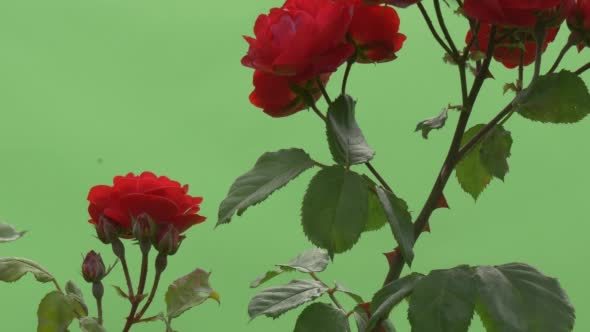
(168,240)
(93,269)
(106,230)
(144,229)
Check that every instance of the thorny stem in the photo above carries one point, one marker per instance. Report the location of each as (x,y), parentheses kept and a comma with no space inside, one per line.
(561,55)
(119,251)
(136,299)
(432,28)
(443,26)
(157,276)
(330,291)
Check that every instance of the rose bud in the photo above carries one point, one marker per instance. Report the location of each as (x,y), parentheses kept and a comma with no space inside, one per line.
(106,230)
(375,32)
(578,20)
(93,269)
(168,240)
(144,228)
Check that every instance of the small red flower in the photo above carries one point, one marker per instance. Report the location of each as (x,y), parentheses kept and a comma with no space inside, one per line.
(578,20)
(375,32)
(276,95)
(517,13)
(164,200)
(508,49)
(395,3)
(304,38)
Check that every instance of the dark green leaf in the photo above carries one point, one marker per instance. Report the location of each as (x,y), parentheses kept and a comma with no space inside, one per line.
(8,233)
(495,151)
(389,296)
(89,324)
(335,209)
(473,176)
(557,98)
(377,218)
(274,301)
(271,172)
(322,317)
(346,140)
(55,313)
(400,221)
(14,268)
(433,123)
(361,317)
(518,298)
(444,301)
(189,291)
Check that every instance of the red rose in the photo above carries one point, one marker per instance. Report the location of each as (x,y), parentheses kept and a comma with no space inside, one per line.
(519,13)
(164,200)
(508,50)
(276,95)
(578,20)
(304,38)
(396,3)
(375,32)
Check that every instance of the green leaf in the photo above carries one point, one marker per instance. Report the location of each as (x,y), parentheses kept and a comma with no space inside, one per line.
(120,292)
(14,268)
(495,151)
(433,123)
(322,317)
(400,221)
(89,324)
(518,298)
(313,260)
(76,298)
(189,291)
(443,301)
(473,176)
(487,159)
(389,296)
(274,301)
(353,295)
(346,140)
(268,276)
(556,98)
(55,313)
(335,209)
(361,317)
(376,218)
(271,172)
(8,233)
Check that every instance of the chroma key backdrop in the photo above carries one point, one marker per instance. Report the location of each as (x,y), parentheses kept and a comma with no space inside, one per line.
(307,166)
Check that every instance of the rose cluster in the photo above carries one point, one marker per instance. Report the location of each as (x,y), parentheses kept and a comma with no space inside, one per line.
(146,207)
(516,22)
(296,47)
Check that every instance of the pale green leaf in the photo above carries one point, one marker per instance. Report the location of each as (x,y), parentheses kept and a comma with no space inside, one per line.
(274,301)
(189,291)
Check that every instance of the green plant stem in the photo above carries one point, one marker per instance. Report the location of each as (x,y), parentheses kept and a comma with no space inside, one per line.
(445,30)
(136,299)
(349,64)
(561,55)
(540,33)
(99,309)
(323,90)
(119,251)
(145,307)
(396,266)
(432,29)
(330,291)
(583,69)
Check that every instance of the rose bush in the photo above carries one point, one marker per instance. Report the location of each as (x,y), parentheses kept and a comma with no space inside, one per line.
(509,48)
(164,200)
(517,13)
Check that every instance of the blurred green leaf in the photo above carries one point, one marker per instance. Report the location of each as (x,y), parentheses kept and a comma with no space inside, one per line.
(271,172)
(74,294)
(335,209)
(189,291)
(14,268)
(8,233)
(89,324)
(55,313)
(436,122)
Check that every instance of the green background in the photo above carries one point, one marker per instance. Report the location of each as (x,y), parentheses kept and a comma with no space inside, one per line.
(94,88)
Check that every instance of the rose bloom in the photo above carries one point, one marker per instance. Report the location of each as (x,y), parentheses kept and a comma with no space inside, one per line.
(517,13)
(277,97)
(396,3)
(508,50)
(166,201)
(375,32)
(304,38)
(578,20)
